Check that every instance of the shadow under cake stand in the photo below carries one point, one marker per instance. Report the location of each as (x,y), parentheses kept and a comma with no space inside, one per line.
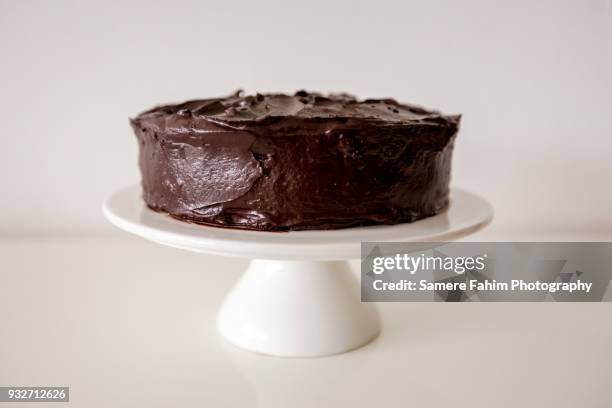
(298,297)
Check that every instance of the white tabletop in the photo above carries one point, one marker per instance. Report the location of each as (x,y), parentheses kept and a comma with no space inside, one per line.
(128,323)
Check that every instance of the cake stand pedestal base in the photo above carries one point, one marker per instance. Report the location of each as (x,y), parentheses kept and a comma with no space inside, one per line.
(298,308)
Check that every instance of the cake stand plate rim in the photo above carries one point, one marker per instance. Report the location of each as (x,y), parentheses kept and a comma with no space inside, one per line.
(467,213)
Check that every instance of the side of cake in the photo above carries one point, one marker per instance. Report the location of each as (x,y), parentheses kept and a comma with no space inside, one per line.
(307,161)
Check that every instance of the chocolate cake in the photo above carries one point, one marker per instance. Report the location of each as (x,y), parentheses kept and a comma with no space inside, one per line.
(308,161)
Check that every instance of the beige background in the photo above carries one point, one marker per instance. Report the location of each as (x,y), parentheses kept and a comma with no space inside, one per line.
(532,79)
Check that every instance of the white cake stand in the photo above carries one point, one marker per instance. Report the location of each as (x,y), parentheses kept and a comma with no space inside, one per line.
(298,297)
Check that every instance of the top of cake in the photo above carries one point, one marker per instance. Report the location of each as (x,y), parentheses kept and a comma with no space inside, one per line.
(240,109)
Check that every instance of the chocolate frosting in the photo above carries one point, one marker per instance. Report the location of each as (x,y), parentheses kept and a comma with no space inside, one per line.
(307,161)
